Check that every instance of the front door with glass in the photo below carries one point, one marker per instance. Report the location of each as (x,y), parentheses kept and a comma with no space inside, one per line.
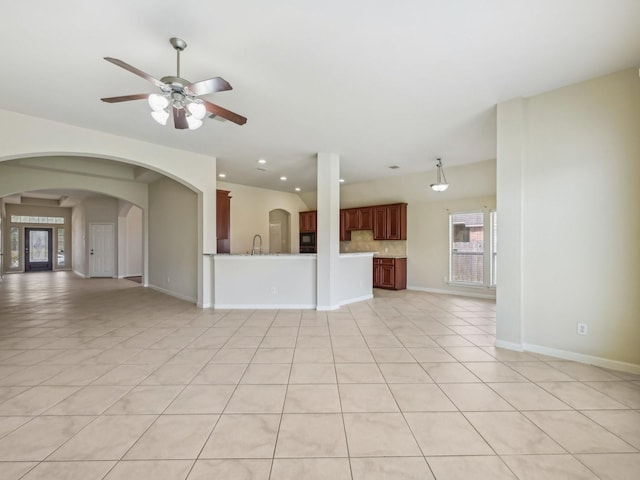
(38,249)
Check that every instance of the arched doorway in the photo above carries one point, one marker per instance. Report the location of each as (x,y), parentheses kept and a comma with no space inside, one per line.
(279,231)
(127,203)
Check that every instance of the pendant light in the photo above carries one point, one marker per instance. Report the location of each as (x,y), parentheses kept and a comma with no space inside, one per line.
(441,184)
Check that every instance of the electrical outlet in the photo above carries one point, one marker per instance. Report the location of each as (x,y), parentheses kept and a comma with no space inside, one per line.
(274,290)
(583,329)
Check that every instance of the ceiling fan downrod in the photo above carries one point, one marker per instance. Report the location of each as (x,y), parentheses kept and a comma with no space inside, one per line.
(179,46)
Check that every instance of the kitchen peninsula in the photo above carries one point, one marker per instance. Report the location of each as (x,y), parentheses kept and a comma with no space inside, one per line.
(286,280)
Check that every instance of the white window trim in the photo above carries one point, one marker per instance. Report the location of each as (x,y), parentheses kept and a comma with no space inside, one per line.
(487,252)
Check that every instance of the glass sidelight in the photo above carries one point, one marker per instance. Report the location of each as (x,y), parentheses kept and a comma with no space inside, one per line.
(60,255)
(14,248)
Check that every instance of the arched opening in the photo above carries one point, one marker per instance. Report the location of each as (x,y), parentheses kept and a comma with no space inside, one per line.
(279,231)
(119,220)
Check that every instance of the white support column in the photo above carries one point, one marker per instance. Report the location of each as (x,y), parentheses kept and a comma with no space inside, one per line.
(328,232)
(511,131)
(207,240)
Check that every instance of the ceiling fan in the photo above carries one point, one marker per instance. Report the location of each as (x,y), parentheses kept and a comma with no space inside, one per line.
(179,96)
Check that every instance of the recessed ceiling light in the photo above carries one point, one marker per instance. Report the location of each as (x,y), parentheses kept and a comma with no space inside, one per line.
(222,175)
(297,189)
(262,160)
(342,180)
(283,178)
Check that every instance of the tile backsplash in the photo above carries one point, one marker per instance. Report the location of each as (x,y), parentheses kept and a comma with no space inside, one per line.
(362,241)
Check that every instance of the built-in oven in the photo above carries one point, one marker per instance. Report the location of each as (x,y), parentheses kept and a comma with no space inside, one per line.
(307,242)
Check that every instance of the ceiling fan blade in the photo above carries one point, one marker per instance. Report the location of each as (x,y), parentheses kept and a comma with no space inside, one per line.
(224,113)
(126,98)
(180,118)
(211,85)
(138,72)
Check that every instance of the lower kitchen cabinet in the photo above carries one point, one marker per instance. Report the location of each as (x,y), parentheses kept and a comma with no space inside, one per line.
(390,273)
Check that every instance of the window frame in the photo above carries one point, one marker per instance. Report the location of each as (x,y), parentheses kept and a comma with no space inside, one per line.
(488,243)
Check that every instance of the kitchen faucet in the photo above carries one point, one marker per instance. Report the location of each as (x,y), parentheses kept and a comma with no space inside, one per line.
(253,245)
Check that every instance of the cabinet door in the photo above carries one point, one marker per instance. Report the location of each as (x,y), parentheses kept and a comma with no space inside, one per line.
(313,221)
(365,218)
(308,221)
(376,273)
(345,235)
(387,276)
(400,274)
(351,219)
(379,223)
(223,221)
(397,222)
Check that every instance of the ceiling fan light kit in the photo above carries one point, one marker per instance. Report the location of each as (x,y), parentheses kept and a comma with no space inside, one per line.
(179,96)
(441,183)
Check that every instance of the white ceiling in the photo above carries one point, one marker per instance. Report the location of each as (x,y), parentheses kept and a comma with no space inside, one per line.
(380,83)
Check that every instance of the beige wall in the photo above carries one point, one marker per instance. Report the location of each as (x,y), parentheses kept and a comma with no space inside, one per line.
(574,166)
(79,228)
(250,209)
(173,239)
(133,263)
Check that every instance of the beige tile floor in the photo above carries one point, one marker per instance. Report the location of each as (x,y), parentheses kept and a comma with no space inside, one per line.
(104,379)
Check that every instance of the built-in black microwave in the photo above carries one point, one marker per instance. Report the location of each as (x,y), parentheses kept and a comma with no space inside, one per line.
(308,242)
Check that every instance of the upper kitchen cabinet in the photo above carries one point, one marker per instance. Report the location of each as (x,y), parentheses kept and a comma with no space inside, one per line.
(223,221)
(358,218)
(345,235)
(390,222)
(308,221)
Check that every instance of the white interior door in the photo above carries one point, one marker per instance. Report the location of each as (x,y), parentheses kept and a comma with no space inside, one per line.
(101,250)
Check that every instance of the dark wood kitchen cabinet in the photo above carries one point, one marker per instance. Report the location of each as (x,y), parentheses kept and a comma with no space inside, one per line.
(223,221)
(345,235)
(390,222)
(358,218)
(365,218)
(390,273)
(308,221)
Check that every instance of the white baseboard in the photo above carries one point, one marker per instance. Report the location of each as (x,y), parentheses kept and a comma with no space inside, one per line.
(583,358)
(357,299)
(172,294)
(452,292)
(517,347)
(349,301)
(573,356)
(81,275)
(329,308)
(263,307)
